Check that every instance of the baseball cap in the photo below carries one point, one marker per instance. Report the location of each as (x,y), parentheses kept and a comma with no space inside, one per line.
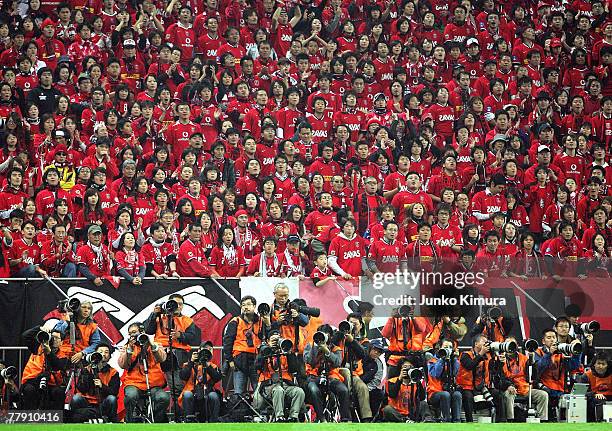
(499,137)
(544,126)
(61,148)
(46,22)
(427,116)
(293,238)
(129,42)
(555,42)
(59,133)
(377,344)
(94,229)
(472,41)
(542,148)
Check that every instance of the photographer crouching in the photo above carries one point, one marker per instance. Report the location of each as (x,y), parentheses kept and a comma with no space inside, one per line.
(278,365)
(97,388)
(407,396)
(199,396)
(9,392)
(442,390)
(141,358)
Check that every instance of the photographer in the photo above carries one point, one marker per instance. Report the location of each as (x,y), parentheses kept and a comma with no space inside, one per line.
(87,336)
(323,360)
(373,373)
(446,328)
(493,325)
(407,395)
(352,340)
(201,375)
(277,365)
(42,380)
(442,387)
(563,327)
(554,366)
(474,378)
(97,387)
(9,392)
(181,329)
(287,318)
(131,359)
(599,378)
(516,370)
(405,334)
(243,335)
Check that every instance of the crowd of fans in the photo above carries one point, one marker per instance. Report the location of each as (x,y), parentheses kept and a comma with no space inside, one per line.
(229,138)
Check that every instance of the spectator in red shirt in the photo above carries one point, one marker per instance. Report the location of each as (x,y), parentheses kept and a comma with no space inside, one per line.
(191,259)
(94,260)
(24,255)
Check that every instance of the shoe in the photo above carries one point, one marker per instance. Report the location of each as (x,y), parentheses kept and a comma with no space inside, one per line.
(292,420)
(428,420)
(279,419)
(409,421)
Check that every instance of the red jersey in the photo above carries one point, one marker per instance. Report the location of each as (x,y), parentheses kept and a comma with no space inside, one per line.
(484,202)
(191,260)
(17,250)
(565,254)
(349,253)
(321,127)
(387,256)
(98,262)
(157,255)
(227,261)
(445,238)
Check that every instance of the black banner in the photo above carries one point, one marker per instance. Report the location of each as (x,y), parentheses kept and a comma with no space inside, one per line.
(24,304)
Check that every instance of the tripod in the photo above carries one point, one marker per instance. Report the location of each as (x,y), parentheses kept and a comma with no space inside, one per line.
(170,317)
(145,367)
(257,417)
(530,410)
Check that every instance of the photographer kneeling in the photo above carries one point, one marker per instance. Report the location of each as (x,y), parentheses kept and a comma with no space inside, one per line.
(201,375)
(407,396)
(97,388)
(441,386)
(277,364)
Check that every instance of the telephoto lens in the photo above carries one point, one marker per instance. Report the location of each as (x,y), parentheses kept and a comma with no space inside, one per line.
(263,309)
(415,375)
(43,337)
(503,347)
(142,339)
(9,373)
(94,358)
(170,306)
(570,349)
(444,353)
(345,326)
(404,311)
(285,345)
(531,345)
(320,337)
(591,327)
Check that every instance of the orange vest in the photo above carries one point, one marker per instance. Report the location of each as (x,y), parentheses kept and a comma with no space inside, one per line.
(105,378)
(333,373)
(393,331)
(600,385)
(288,331)
(514,369)
(268,371)
(81,343)
(358,371)
(243,327)
(36,365)
(181,323)
(201,377)
(497,333)
(468,379)
(136,377)
(553,377)
(403,403)
(310,329)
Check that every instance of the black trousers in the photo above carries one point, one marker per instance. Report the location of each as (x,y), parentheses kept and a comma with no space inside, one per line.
(468,404)
(34,398)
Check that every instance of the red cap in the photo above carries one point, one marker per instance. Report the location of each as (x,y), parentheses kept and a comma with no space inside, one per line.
(555,42)
(427,116)
(61,148)
(241,212)
(373,121)
(46,22)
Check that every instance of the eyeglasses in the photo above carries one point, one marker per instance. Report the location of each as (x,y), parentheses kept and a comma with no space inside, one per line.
(338,181)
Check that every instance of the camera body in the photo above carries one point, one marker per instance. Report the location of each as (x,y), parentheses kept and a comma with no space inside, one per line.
(415,375)
(142,339)
(444,353)
(169,307)
(308,311)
